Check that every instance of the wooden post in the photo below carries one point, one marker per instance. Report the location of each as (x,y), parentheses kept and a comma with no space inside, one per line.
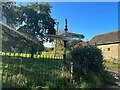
(71,71)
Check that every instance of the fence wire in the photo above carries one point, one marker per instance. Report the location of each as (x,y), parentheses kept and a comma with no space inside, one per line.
(22,71)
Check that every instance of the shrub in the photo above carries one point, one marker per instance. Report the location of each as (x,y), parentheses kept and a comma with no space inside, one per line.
(107,78)
(85,85)
(88,67)
(88,57)
(50,85)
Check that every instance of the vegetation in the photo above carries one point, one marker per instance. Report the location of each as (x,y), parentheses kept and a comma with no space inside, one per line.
(33,19)
(111,64)
(32,73)
(25,55)
(58,50)
(73,42)
(44,72)
(89,69)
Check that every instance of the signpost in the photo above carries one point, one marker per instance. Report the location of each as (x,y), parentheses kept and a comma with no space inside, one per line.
(65,37)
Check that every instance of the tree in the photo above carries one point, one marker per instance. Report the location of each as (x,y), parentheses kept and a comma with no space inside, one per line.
(8,38)
(34,19)
(73,42)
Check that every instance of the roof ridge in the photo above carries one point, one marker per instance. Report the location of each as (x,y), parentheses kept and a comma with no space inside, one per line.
(106,37)
(107,33)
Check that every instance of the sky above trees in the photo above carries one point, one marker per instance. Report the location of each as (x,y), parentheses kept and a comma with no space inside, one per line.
(87,18)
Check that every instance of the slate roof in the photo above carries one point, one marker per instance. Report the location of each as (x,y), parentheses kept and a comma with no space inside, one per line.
(110,37)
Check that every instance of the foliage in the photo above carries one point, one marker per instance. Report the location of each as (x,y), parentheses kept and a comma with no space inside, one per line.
(88,58)
(50,85)
(30,73)
(73,42)
(111,64)
(85,85)
(34,73)
(9,12)
(47,49)
(88,67)
(107,78)
(33,19)
(58,47)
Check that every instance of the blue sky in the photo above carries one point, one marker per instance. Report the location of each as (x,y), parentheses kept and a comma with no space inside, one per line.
(87,18)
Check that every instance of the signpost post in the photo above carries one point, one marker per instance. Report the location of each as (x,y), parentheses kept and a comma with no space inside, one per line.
(65,41)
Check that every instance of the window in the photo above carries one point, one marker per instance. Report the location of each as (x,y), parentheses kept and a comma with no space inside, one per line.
(108,49)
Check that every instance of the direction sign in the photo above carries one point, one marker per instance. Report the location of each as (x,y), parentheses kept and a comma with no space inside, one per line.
(65,36)
(74,35)
(54,37)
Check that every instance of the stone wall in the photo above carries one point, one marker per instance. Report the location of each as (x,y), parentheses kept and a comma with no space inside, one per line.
(111,52)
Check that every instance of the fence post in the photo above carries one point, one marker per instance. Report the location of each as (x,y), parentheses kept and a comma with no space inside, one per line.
(29,55)
(46,57)
(36,56)
(43,56)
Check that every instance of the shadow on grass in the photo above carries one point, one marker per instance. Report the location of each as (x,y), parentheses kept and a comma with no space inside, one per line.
(31,73)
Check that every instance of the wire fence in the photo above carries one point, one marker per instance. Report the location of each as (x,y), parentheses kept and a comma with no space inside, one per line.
(30,73)
(22,70)
(19,70)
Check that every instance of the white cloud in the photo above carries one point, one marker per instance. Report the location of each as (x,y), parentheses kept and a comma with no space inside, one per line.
(47,44)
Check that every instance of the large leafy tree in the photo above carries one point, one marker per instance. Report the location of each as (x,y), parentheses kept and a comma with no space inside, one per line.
(33,19)
(7,36)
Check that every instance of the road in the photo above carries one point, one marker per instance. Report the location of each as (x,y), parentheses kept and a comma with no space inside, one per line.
(116,73)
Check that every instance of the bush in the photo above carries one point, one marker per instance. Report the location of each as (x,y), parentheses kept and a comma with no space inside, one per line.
(88,67)
(85,85)
(50,85)
(88,57)
(107,78)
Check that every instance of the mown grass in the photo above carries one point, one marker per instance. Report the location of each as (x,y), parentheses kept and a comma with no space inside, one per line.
(30,73)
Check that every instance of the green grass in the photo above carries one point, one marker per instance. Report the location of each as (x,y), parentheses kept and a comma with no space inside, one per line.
(111,64)
(30,73)
(35,73)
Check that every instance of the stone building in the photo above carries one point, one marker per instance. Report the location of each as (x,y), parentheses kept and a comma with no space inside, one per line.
(109,43)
